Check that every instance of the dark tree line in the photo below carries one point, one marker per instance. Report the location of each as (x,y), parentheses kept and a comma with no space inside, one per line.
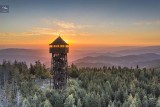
(109,87)
(86,87)
(18,87)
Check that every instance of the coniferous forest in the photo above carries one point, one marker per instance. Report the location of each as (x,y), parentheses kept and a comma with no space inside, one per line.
(23,86)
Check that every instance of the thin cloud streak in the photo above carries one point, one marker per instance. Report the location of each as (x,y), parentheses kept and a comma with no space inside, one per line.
(153,22)
(65,24)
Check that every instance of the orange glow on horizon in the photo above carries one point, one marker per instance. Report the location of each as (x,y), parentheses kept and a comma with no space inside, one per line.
(79,41)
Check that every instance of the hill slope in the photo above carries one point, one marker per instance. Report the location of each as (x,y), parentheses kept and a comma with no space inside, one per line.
(143,60)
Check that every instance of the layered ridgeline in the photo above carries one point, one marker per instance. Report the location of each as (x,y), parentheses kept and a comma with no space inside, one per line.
(143,60)
(131,57)
(22,86)
(118,56)
(24,55)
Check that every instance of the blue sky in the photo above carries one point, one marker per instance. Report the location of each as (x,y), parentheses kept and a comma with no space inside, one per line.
(94,17)
(28,12)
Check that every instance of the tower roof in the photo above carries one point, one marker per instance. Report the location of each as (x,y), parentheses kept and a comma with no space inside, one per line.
(58,41)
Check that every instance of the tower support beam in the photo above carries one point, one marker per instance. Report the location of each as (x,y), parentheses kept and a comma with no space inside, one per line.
(59,63)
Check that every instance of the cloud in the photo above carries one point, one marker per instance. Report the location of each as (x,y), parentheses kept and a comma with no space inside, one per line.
(64,24)
(152,22)
(36,31)
(64,28)
(42,31)
(50,29)
(39,31)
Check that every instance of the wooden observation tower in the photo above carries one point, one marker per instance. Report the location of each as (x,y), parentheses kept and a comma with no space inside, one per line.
(59,49)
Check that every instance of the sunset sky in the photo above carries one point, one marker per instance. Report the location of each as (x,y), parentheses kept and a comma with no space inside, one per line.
(36,23)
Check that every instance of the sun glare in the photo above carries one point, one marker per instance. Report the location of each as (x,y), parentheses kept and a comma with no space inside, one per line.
(68,41)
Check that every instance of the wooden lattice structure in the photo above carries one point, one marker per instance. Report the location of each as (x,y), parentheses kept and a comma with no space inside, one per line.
(59,49)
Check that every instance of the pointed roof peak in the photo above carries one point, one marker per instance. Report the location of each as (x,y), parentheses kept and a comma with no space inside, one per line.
(58,41)
(59,37)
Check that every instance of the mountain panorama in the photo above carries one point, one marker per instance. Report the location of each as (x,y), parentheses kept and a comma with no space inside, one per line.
(131,57)
(121,78)
(79,53)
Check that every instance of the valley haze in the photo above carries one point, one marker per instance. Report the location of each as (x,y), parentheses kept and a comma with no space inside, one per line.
(108,56)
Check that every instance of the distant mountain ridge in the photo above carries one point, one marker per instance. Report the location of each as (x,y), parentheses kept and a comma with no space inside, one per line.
(27,55)
(143,60)
(140,50)
(19,51)
(143,56)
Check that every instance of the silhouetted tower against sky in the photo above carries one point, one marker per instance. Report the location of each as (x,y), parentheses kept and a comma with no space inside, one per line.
(59,49)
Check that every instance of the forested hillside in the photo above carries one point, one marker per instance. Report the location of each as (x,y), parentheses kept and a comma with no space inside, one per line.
(21,86)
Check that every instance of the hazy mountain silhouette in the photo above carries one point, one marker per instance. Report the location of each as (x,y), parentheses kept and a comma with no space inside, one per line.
(140,50)
(143,60)
(19,51)
(27,55)
(143,56)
